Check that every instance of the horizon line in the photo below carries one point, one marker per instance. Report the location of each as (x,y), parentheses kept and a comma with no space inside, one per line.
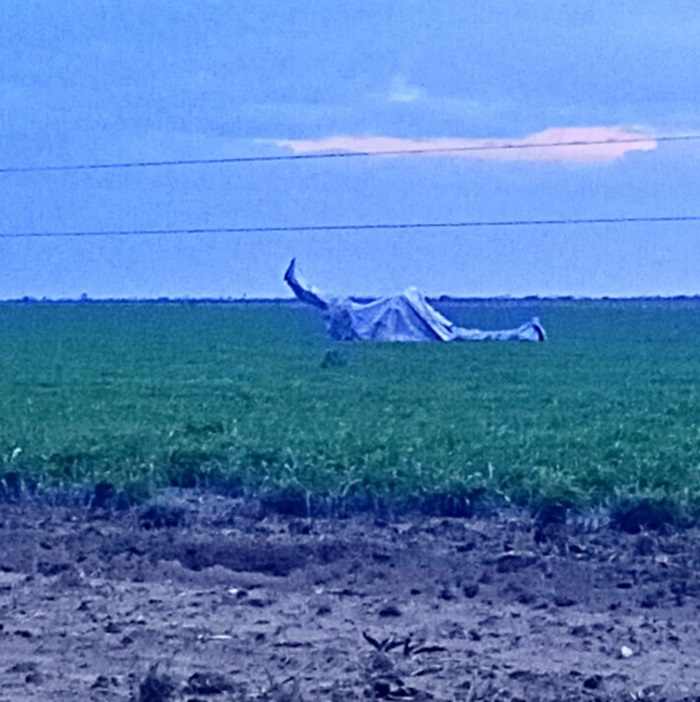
(444,297)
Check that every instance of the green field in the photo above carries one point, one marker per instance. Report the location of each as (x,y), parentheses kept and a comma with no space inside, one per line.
(151,394)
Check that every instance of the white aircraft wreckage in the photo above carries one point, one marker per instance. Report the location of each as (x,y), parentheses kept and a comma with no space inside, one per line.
(405,317)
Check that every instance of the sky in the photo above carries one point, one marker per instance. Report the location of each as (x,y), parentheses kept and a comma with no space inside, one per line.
(98,82)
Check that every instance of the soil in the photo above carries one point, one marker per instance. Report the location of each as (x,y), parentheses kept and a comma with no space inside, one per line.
(201,597)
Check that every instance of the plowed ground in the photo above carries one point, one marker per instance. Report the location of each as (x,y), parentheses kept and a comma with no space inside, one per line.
(231,603)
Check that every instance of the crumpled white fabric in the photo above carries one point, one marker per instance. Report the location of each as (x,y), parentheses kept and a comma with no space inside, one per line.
(405,317)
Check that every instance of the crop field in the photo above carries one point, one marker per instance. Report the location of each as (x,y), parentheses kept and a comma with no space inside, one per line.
(254,398)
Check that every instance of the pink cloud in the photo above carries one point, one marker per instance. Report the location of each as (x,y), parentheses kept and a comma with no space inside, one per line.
(572,145)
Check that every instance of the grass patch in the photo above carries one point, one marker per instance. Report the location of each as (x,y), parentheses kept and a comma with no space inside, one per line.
(253,397)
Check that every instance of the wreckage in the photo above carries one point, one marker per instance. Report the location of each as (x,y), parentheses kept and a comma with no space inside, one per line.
(405,317)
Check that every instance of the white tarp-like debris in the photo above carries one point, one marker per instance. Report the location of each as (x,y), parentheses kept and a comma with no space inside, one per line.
(405,317)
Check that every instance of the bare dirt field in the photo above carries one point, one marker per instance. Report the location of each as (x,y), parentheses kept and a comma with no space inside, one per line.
(202,597)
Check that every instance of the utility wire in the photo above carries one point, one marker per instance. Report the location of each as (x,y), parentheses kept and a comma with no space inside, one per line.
(352,227)
(516,146)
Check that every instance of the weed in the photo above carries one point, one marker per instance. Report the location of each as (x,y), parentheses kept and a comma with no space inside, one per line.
(156,687)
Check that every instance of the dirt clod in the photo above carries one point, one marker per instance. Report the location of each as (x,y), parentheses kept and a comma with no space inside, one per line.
(208,683)
(471,590)
(515,560)
(390,610)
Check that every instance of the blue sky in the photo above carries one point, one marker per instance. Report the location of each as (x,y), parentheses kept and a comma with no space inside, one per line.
(98,82)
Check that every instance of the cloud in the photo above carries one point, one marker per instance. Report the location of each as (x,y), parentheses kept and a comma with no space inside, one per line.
(402,91)
(559,144)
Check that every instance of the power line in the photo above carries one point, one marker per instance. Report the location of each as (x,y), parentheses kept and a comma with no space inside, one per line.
(515,146)
(352,227)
